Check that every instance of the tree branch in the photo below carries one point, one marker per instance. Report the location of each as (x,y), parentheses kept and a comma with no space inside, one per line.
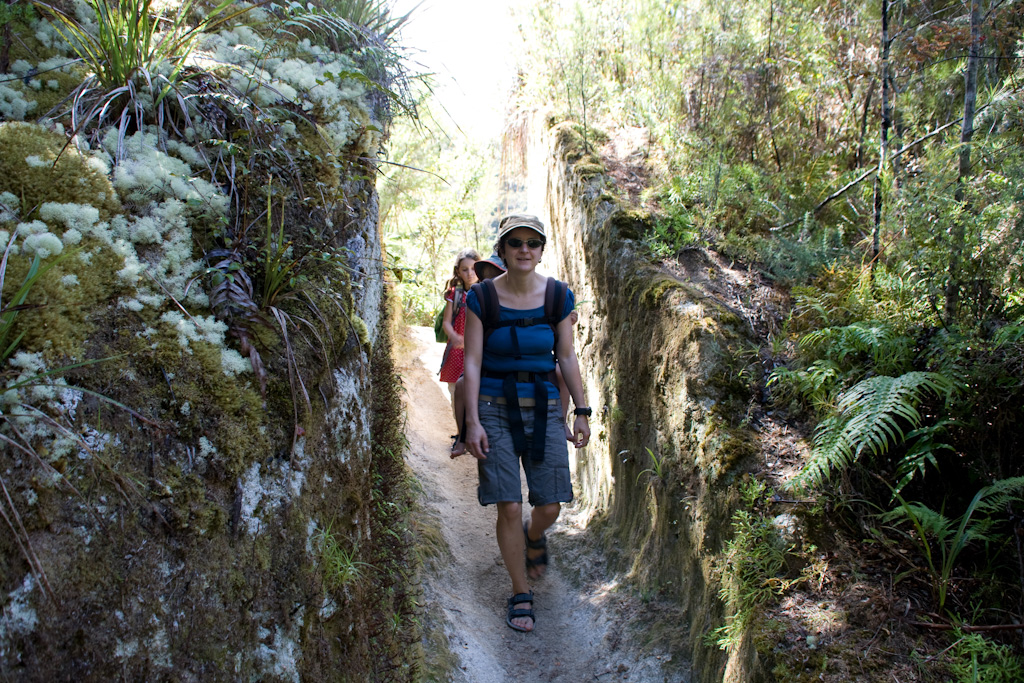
(867,174)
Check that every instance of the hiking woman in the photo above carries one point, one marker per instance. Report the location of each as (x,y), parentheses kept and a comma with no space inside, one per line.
(463,277)
(513,412)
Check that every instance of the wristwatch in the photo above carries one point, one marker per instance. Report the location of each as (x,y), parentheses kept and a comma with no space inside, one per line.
(586,412)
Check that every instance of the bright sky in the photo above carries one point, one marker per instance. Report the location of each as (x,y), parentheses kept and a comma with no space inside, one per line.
(468,45)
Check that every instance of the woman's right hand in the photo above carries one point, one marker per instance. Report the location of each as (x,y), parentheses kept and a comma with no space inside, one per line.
(457,340)
(476,441)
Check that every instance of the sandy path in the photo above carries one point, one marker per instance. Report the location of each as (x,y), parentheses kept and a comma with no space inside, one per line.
(573,640)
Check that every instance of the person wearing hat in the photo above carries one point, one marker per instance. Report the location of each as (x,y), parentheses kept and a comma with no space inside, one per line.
(489,268)
(513,413)
(486,269)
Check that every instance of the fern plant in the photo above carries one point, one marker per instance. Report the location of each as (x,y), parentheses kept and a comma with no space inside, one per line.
(816,386)
(976,659)
(752,566)
(871,416)
(942,538)
(889,351)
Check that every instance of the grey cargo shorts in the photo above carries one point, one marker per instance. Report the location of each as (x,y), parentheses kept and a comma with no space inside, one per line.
(548,480)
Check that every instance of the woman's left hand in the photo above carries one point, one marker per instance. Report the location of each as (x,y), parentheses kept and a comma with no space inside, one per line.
(581,429)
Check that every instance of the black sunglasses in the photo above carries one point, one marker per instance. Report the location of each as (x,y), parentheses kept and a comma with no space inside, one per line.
(515,243)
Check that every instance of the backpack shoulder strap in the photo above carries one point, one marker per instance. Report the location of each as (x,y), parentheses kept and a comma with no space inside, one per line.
(487,295)
(457,301)
(554,301)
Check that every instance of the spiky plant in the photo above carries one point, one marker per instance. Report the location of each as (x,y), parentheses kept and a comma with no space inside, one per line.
(136,60)
(943,538)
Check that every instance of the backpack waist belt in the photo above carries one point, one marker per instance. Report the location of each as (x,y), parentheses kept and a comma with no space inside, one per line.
(522,376)
(515,417)
(523,402)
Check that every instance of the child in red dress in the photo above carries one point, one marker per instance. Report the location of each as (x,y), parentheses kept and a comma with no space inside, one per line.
(463,277)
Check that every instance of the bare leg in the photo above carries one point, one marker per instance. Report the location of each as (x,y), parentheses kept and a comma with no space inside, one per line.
(541,519)
(563,394)
(459,406)
(511,543)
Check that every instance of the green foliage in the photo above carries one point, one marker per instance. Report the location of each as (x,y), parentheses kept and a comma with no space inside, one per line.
(340,567)
(817,385)
(9,310)
(656,469)
(751,567)
(943,538)
(888,351)
(976,659)
(437,199)
(135,57)
(870,416)
(372,17)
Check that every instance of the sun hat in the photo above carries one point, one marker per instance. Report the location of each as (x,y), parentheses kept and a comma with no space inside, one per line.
(520,220)
(492,260)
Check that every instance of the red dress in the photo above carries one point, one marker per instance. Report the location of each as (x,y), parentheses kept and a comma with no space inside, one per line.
(451,366)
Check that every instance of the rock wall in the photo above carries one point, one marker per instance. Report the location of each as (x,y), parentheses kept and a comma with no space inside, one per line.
(662,356)
(244,543)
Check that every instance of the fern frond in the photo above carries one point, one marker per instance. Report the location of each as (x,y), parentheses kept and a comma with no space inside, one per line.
(878,406)
(1011,334)
(817,385)
(925,443)
(888,349)
(832,451)
(930,521)
(999,493)
(870,416)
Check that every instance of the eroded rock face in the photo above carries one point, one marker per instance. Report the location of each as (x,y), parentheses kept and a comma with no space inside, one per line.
(661,351)
(223,545)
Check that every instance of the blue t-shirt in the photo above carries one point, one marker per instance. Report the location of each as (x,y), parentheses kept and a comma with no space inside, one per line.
(536,345)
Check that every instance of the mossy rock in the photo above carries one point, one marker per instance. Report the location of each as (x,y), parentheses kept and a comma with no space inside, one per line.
(58,324)
(66,177)
(47,98)
(653,290)
(588,170)
(632,224)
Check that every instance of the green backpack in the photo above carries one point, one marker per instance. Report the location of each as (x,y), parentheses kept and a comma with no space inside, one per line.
(439,334)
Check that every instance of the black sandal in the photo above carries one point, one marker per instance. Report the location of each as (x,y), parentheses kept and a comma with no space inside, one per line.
(540,544)
(513,613)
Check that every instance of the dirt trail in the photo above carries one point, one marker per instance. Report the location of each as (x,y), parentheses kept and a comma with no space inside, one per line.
(576,638)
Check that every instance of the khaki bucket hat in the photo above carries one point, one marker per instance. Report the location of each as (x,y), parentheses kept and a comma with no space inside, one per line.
(520,220)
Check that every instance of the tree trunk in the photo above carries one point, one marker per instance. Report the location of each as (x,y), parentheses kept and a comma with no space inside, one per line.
(956,245)
(859,161)
(769,72)
(883,144)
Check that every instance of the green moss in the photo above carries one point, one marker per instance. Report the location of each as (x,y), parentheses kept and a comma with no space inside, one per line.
(58,322)
(738,446)
(69,180)
(361,330)
(653,290)
(187,507)
(632,223)
(588,170)
(317,158)
(47,98)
